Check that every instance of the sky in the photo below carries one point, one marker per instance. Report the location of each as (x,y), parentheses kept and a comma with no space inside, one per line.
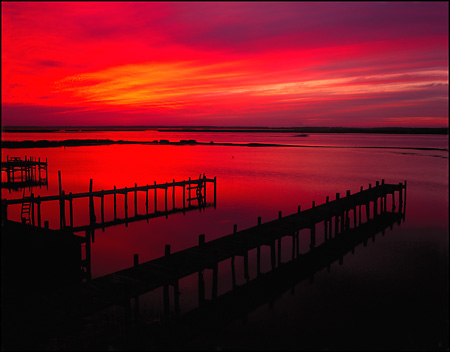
(274,64)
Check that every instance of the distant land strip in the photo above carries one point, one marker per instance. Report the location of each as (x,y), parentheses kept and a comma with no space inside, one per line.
(95,142)
(381,130)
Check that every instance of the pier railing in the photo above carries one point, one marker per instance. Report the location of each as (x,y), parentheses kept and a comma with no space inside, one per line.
(187,186)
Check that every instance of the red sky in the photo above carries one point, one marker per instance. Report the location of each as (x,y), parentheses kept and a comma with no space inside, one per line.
(274,64)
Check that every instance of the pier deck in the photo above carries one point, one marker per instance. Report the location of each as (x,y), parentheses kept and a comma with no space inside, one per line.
(123,285)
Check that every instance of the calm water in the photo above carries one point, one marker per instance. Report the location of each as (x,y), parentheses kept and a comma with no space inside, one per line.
(393,293)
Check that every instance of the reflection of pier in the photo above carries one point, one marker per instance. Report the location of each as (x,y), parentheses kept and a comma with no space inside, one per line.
(166,271)
(24,173)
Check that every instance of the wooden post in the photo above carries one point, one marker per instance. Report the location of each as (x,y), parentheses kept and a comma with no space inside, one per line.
(146,201)
(336,219)
(59,179)
(272,254)
(400,197)
(259,220)
(32,209)
(215,182)
(246,275)
(189,193)
(312,243)
(91,205)
(136,259)
(155,198)
(234,228)
(71,209)
(293,246)
(173,195)
(360,209)
(279,215)
(279,251)
(62,210)
(135,200)
(299,209)
(126,204)
(204,189)
(184,197)
(165,190)
(102,198)
(347,212)
(375,202)
(404,202)
(39,210)
(115,203)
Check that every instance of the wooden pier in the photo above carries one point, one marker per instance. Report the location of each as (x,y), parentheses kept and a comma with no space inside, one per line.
(167,270)
(346,226)
(199,185)
(22,173)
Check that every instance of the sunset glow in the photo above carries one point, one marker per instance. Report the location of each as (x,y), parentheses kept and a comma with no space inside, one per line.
(366,64)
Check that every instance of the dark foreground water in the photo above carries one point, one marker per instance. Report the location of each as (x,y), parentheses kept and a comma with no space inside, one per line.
(391,293)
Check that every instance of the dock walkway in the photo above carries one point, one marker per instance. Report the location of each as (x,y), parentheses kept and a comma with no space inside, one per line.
(123,285)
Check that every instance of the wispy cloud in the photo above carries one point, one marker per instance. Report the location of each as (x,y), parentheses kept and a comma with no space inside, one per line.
(319,62)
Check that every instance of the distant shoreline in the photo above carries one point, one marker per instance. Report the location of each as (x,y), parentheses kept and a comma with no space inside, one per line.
(201,129)
(100,142)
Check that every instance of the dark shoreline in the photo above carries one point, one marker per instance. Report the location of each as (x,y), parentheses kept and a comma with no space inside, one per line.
(99,142)
(198,129)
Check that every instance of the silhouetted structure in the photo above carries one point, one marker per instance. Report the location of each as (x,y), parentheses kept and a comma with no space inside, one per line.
(121,287)
(24,173)
(125,286)
(34,208)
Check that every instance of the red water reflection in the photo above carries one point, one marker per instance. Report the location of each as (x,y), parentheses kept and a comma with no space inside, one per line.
(251,182)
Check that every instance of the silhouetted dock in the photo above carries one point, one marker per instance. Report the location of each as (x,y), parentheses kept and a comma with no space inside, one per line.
(166,271)
(34,203)
(345,227)
(21,173)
